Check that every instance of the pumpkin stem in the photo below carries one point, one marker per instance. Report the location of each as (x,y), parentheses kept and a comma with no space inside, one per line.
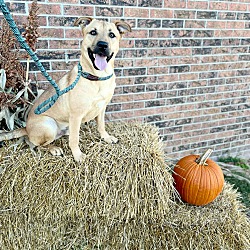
(203,158)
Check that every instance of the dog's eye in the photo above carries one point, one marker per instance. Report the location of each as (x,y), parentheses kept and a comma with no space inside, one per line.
(111,35)
(93,32)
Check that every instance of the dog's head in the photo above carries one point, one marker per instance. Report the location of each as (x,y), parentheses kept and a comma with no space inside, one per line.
(101,40)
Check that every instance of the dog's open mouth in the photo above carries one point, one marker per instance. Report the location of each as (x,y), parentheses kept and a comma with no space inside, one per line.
(100,60)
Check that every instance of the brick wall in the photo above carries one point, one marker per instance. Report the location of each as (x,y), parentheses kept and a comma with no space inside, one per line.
(185,67)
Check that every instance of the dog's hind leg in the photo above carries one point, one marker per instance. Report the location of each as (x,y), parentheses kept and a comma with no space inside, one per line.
(44,131)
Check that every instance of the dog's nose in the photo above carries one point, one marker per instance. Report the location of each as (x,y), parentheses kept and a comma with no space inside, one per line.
(102,45)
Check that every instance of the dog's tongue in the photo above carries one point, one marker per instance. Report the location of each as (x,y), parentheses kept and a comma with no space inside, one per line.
(100,62)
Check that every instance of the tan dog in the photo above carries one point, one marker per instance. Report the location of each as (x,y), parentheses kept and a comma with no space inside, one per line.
(89,98)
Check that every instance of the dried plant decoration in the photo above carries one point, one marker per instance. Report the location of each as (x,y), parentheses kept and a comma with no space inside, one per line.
(15,92)
(31,34)
(9,58)
(12,78)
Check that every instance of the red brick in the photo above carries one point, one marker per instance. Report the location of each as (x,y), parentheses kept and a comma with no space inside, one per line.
(123,63)
(145,79)
(197,4)
(109,11)
(125,81)
(226,73)
(198,83)
(229,58)
(221,66)
(159,33)
(241,86)
(237,66)
(219,116)
(227,122)
(190,140)
(145,62)
(221,50)
(189,60)
(42,21)
(187,106)
(136,12)
(62,65)
(184,14)
(16,8)
(158,52)
(49,9)
(55,76)
(174,4)
(78,10)
(194,126)
(195,68)
(216,25)
(149,111)
(172,143)
(218,6)
(224,88)
(122,98)
(193,113)
(195,24)
(168,78)
(73,33)
(127,43)
(230,95)
(237,7)
(181,51)
(242,33)
(64,44)
(227,33)
(172,116)
(235,25)
(122,115)
(159,13)
(132,105)
(168,110)
(137,34)
(144,96)
(207,137)
(214,96)
(168,61)
(51,33)
(188,76)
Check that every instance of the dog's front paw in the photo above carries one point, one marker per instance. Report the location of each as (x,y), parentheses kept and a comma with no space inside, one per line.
(110,139)
(79,156)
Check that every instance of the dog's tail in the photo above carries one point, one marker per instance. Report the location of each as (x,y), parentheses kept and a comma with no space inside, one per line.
(13,134)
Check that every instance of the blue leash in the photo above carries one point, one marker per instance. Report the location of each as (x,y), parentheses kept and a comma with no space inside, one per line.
(51,101)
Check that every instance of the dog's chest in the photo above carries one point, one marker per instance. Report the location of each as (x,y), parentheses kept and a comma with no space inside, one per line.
(97,106)
(98,101)
(102,97)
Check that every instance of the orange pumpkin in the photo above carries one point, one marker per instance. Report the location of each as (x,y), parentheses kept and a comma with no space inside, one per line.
(198,180)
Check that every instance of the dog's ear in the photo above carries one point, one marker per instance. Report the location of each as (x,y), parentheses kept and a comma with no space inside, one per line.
(83,21)
(123,27)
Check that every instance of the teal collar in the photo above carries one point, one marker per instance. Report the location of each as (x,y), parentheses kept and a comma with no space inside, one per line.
(90,76)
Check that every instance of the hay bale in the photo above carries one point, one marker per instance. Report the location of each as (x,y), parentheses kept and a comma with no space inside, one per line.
(221,224)
(121,197)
